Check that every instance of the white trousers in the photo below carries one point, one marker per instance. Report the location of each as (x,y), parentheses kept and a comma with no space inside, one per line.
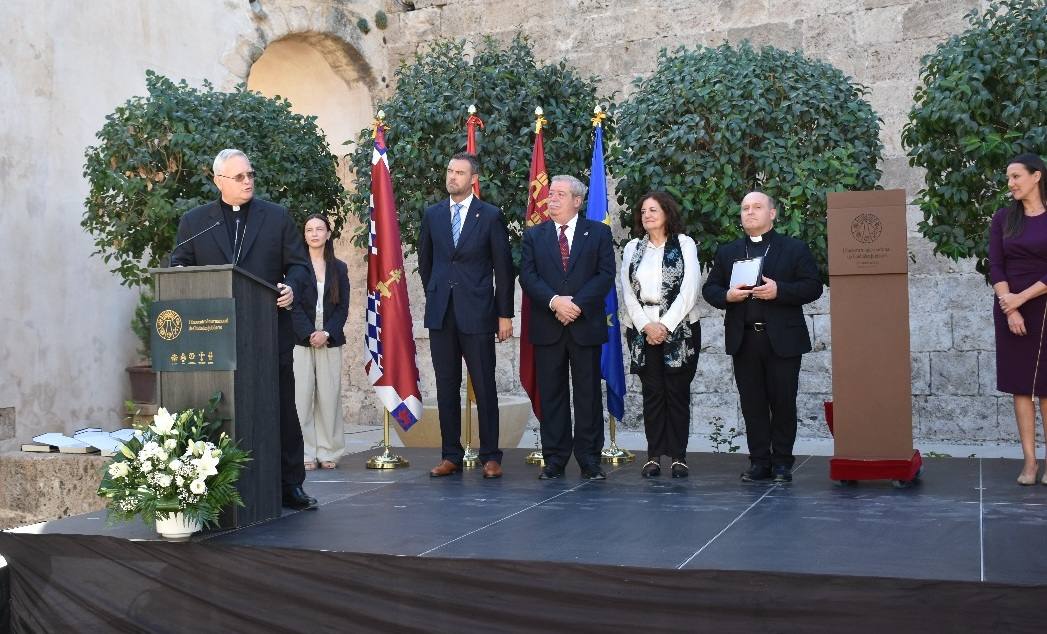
(317,390)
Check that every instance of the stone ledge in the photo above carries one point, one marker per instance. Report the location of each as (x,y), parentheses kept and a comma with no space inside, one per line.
(38,487)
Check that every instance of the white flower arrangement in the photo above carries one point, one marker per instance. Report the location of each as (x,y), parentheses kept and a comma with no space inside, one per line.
(179,463)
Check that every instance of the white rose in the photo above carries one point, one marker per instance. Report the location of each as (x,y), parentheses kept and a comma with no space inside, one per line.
(119,469)
(170,444)
(198,487)
(175,465)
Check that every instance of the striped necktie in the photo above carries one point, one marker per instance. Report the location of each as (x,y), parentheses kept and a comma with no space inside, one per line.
(456,223)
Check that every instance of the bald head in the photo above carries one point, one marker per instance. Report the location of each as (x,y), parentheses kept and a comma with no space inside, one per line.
(758,213)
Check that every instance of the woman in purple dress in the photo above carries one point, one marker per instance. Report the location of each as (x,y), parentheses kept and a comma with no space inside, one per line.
(1018,273)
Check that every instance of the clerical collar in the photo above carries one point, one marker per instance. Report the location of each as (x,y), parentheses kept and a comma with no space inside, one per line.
(235,208)
(758,239)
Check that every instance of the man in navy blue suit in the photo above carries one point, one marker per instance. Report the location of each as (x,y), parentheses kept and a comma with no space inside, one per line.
(567,268)
(261,238)
(467,271)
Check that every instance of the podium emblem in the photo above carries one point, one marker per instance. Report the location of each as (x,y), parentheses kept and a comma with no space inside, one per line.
(866,228)
(168,325)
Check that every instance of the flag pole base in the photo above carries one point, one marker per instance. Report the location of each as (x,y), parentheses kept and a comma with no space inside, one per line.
(470,459)
(387,460)
(616,455)
(536,457)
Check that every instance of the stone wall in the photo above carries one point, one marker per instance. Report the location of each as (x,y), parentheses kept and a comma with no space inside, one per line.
(65,318)
(877,42)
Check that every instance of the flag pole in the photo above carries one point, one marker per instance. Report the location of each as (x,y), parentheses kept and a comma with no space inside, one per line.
(387,460)
(382,288)
(613,454)
(470,457)
(536,457)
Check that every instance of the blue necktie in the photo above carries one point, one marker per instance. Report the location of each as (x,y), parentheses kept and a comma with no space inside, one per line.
(456,223)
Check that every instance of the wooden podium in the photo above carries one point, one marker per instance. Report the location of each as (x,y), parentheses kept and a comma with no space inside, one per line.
(871,410)
(216,327)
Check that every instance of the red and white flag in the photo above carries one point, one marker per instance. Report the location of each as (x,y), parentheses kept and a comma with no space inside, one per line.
(537,213)
(391,363)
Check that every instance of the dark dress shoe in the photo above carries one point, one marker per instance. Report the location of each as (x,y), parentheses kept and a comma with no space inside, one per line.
(756,473)
(445,468)
(492,469)
(550,472)
(679,469)
(593,473)
(298,500)
(651,469)
(782,474)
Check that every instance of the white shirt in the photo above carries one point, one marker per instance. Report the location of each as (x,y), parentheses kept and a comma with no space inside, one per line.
(464,213)
(318,322)
(571,224)
(649,275)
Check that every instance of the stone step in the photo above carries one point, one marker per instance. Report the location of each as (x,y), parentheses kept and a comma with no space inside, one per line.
(43,486)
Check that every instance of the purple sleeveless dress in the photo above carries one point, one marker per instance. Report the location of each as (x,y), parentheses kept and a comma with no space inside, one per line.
(1021,261)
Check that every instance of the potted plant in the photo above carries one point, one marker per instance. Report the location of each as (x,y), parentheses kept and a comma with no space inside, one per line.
(178,472)
(141,375)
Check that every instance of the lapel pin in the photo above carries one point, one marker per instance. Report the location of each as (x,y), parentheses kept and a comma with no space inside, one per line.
(586,233)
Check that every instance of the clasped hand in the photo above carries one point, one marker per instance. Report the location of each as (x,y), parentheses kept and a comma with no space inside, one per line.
(1010,302)
(655,333)
(565,309)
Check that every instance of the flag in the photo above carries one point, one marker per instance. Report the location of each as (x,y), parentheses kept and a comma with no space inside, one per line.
(537,213)
(470,140)
(612,366)
(391,364)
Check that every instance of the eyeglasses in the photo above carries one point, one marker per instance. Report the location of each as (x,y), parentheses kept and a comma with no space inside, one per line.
(240,178)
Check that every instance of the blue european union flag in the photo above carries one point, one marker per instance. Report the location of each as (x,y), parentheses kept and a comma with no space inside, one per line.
(611,365)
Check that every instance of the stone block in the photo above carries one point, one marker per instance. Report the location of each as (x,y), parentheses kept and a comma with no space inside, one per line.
(783,35)
(711,409)
(420,25)
(924,261)
(973,329)
(920,373)
(819,306)
(936,19)
(715,374)
(816,373)
(827,32)
(876,4)
(880,25)
(743,12)
(987,375)
(821,332)
(957,418)
(810,415)
(893,61)
(1007,427)
(929,331)
(7,423)
(49,486)
(896,174)
(712,335)
(954,373)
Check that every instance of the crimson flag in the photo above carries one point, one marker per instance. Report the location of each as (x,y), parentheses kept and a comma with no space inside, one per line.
(391,363)
(537,213)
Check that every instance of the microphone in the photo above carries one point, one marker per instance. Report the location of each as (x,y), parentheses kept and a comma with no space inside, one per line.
(194,237)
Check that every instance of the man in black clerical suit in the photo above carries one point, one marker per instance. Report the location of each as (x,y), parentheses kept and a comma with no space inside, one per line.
(765,333)
(261,238)
(566,269)
(467,272)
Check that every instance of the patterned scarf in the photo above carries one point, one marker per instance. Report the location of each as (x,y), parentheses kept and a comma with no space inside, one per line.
(677,347)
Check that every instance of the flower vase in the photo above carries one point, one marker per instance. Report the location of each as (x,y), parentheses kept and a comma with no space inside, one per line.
(176,527)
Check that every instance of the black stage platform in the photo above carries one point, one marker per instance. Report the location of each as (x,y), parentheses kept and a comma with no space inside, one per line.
(966,542)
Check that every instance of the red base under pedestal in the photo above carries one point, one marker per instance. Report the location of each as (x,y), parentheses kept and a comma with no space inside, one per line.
(856,469)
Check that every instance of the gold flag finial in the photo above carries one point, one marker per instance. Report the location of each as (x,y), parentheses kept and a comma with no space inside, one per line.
(539,120)
(379,122)
(598,116)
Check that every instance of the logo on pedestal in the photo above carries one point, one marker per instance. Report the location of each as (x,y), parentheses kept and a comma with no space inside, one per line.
(168,325)
(866,228)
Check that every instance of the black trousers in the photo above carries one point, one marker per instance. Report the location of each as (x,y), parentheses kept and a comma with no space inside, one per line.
(552,363)
(767,386)
(667,401)
(449,346)
(292,450)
